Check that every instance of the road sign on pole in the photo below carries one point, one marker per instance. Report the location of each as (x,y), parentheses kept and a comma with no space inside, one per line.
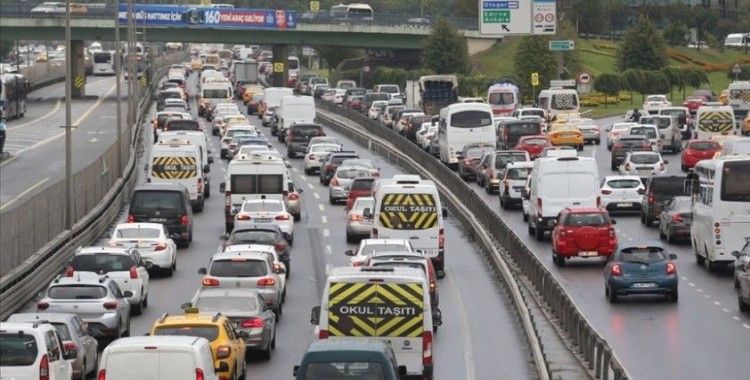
(508,17)
(535,79)
(315,6)
(562,45)
(736,70)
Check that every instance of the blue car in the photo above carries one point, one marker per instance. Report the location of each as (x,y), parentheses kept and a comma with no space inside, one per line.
(641,269)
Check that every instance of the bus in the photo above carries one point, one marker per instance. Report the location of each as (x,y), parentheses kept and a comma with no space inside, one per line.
(355,11)
(721,209)
(104,62)
(461,124)
(13,91)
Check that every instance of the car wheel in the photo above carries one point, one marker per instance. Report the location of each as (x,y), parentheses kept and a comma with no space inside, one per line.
(145,301)
(349,238)
(558,260)
(290,154)
(279,311)
(643,217)
(525,217)
(503,205)
(674,296)
(611,296)
(683,167)
(136,309)
(613,166)
(539,233)
(670,239)
(172,269)
(331,200)
(126,333)
(297,217)
(745,307)
(580,147)
(228,227)
(273,341)
(530,228)
(698,258)
(207,193)
(198,207)
(307,171)
(609,147)
(266,354)
(598,141)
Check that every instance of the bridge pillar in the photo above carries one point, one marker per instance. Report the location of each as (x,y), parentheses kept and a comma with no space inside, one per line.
(280,68)
(78,68)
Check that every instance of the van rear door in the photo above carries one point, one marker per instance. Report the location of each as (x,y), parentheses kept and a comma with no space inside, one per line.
(414,217)
(152,363)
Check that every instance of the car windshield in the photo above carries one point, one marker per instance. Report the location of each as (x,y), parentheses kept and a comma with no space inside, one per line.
(502,160)
(669,186)
(268,206)
(252,237)
(351,173)
(644,131)
(644,158)
(735,183)
(208,332)
(682,203)
(369,249)
(77,292)
(137,233)
(238,268)
(363,203)
(518,173)
(477,151)
(157,200)
(226,303)
(623,183)
(101,263)
(17,349)
(704,145)
(344,370)
(643,255)
(586,219)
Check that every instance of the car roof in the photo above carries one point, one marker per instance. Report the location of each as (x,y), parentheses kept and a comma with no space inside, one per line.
(33,317)
(647,243)
(347,344)
(240,248)
(129,226)
(383,241)
(158,340)
(257,226)
(97,249)
(19,326)
(191,318)
(614,177)
(160,187)
(225,292)
(397,254)
(80,277)
(585,210)
(256,255)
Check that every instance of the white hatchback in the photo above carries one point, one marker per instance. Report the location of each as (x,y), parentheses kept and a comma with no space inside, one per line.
(643,164)
(266,211)
(317,152)
(622,193)
(152,241)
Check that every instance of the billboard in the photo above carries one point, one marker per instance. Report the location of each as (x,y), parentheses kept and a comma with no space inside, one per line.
(208,17)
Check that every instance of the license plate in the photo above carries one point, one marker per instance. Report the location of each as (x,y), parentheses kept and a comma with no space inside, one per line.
(642,285)
(624,205)
(159,220)
(263,220)
(588,253)
(644,172)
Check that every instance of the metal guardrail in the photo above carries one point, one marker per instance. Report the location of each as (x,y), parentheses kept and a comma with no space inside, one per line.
(587,342)
(22,283)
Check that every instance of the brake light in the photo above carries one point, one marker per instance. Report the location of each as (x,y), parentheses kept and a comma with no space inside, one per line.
(223,352)
(334,182)
(42,306)
(112,305)
(243,216)
(617,146)
(69,271)
(427,348)
(677,218)
(133,272)
(311,157)
(198,374)
(650,197)
(606,192)
(103,375)
(539,206)
(44,368)
(160,247)
(252,323)
(627,167)
(293,196)
(616,270)
(671,268)
(355,218)
(68,346)
(266,281)
(284,216)
(323,334)
(280,246)
(441,239)
(131,218)
(210,281)
(185,219)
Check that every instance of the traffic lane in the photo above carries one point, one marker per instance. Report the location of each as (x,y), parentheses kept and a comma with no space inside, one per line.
(42,156)
(645,328)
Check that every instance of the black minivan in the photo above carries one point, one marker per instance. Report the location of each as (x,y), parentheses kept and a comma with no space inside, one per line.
(168,204)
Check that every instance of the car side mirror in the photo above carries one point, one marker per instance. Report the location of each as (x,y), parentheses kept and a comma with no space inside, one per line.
(666,162)
(70,353)
(222,187)
(202,271)
(613,221)
(315,315)
(296,370)
(524,194)
(445,213)
(149,265)
(736,254)
(367,213)
(608,129)
(223,238)
(206,168)
(127,294)
(210,159)
(672,256)
(349,252)
(402,371)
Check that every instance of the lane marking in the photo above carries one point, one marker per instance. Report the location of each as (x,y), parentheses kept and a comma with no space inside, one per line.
(294,169)
(725,310)
(699,290)
(324,219)
(745,325)
(311,186)
(19,196)
(48,114)
(717,303)
(691,284)
(329,249)
(320,207)
(326,232)
(316,195)
(736,318)
(466,328)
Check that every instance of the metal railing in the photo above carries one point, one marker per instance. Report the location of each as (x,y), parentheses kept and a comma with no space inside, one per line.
(586,341)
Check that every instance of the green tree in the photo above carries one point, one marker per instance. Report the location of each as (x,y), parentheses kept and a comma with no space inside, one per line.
(589,16)
(695,77)
(465,8)
(632,81)
(609,84)
(655,82)
(533,56)
(676,33)
(445,50)
(571,58)
(642,47)
(675,78)
(333,55)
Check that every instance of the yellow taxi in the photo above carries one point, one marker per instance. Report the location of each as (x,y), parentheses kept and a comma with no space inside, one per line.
(250,90)
(196,64)
(565,134)
(227,345)
(564,118)
(745,127)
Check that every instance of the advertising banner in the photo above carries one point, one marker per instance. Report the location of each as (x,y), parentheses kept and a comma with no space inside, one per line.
(209,17)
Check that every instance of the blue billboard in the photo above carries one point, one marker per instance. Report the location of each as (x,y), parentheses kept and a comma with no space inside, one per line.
(209,17)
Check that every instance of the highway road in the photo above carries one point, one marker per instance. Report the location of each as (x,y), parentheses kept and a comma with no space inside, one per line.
(480,337)
(37,145)
(703,336)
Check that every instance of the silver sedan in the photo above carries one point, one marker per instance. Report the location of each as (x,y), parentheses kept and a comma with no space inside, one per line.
(341,183)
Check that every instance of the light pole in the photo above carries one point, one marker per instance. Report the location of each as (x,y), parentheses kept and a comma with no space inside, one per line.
(131,71)
(118,72)
(68,136)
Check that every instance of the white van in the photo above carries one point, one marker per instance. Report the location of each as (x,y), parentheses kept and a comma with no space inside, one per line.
(213,93)
(734,145)
(461,124)
(557,100)
(178,161)
(295,109)
(557,183)
(197,138)
(158,358)
(272,97)
(29,347)
(389,304)
(408,207)
(714,120)
(253,176)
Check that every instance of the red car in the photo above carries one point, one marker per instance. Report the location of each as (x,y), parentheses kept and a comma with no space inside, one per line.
(698,150)
(534,145)
(583,232)
(692,104)
(361,187)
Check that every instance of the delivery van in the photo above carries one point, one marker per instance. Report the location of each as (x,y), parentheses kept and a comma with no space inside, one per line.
(198,138)
(178,161)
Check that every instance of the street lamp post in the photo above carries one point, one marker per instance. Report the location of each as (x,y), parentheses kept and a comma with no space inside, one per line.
(118,72)
(68,137)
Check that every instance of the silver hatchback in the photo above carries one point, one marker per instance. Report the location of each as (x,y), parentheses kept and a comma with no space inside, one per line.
(341,183)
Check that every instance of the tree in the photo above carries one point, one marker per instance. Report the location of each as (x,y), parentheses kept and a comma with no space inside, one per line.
(695,77)
(445,50)
(632,81)
(533,56)
(676,33)
(675,78)
(588,15)
(609,84)
(333,55)
(642,47)
(654,82)
(571,58)
(465,8)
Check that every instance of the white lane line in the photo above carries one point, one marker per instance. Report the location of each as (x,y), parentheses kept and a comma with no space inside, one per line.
(329,249)
(717,303)
(324,219)
(699,290)
(19,196)
(303,178)
(320,207)
(316,195)
(725,310)
(466,328)
(745,325)
(736,318)
(707,296)
(294,169)
(310,186)
(691,284)
(326,232)
(48,114)
(683,278)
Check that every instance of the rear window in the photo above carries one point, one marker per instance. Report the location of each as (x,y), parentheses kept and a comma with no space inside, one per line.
(588,219)
(645,255)
(227,303)
(518,173)
(704,145)
(670,186)
(344,370)
(502,160)
(77,292)
(363,184)
(643,131)
(535,141)
(337,160)
(62,330)
(257,184)
(238,268)
(157,200)
(477,151)
(735,183)
(623,183)
(183,125)
(351,173)
(470,119)
(208,332)
(526,128)
(252,237)
(262,206)
(102,263)
(17,350)
(306,130)
(369,249)
(137,233)
(644,158)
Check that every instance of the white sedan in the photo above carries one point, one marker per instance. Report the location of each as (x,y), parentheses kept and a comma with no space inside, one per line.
(654,102)
(266,211)
(643,164)
(152,242)
(616,130)
(315,153)
(622,193)
(369,246)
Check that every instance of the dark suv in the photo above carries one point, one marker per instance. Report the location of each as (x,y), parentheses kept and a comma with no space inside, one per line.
(168,204)
(298,137)
(659,191)
(332,162)
(626,144)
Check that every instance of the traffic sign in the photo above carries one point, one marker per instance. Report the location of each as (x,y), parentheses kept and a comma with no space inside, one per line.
(278,67)
(562,45)
(535,79)
(584,78)
(562,83)
(736,69)
(507,17)
(545,17)
(366,68)
(315,6)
